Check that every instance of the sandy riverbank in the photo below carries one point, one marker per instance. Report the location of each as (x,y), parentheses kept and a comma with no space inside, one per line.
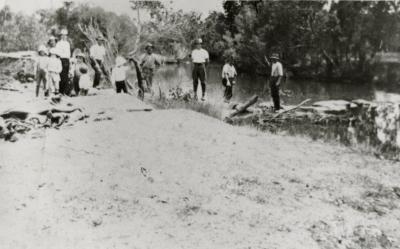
(180,179)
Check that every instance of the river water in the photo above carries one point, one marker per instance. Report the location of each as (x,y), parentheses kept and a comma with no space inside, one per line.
(170,76)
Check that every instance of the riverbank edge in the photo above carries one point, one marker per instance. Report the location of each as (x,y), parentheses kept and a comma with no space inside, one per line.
(251,120)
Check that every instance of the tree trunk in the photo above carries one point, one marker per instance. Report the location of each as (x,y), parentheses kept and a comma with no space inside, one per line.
(244,107)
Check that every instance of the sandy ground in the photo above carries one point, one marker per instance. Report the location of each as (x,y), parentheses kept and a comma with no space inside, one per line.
(179,179)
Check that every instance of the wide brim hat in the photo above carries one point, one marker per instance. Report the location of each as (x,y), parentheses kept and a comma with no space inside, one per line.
(149,45)
(198,41)
(80,54)
(64,32)
(274,56)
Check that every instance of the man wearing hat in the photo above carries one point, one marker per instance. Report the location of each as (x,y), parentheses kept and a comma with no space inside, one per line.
(64,49)
(275,80)
(148,63)
(200,59)
(97,56)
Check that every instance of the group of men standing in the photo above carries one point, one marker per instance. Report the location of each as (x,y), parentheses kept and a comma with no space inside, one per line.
(148,63)
(200,59)
(67,77)
(54,64)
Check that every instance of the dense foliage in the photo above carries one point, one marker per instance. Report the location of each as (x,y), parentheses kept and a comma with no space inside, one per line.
(118,28)
(331,39)
(19,32)
(315,38)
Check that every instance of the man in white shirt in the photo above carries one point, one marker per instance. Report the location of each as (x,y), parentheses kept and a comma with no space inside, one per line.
(275,80)
(64,51)
(118,75)
(200,59)
(97,56)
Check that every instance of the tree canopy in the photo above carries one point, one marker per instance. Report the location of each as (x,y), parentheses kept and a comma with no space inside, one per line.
(314,38)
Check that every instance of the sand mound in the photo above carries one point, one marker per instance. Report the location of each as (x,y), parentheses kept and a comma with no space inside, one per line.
(127,178)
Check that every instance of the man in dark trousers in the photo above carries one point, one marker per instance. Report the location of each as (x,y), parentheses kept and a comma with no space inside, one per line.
(275,80)
(97,55)
(64,49)
(200,59)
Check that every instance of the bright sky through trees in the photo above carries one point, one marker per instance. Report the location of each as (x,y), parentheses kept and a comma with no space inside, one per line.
(118,6)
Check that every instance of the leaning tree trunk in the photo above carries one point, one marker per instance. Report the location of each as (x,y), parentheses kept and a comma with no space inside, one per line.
(244,107)
(92,31)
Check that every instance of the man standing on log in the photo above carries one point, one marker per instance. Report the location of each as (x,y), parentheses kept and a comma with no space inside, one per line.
(64,51)
(97,55)
(275,80)
(200,59)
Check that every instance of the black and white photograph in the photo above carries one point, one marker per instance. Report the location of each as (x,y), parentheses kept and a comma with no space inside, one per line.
(199,124)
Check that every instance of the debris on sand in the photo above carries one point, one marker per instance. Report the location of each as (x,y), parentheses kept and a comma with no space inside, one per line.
(379,200)
(370,237)
(187,211)
(146,174)
(41,185)
(9,84)
(97,222)
(140,110)
(102,119)
(143,171)
(361,237)
(15,122)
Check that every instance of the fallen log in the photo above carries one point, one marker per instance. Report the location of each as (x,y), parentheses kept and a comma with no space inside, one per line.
(140,110)
(23,115)
(9,89)
(243,108)
(291,109)
(54,110)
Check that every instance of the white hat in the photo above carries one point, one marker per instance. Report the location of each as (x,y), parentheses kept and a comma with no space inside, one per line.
(274,56)
(80,54)
(42,48)
(64,32)
(119,61)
